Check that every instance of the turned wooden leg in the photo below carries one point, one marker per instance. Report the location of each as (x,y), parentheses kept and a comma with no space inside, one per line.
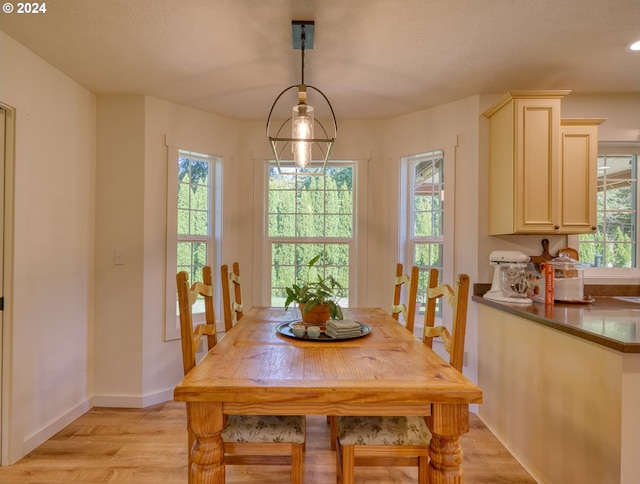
(445,464)
(447,423)
(206,421)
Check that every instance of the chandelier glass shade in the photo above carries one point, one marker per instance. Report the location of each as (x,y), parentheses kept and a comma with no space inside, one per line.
(308,151)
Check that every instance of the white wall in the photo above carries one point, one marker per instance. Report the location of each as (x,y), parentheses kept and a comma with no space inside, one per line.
(50,364)
(621,110)
(119,226)
(134,365)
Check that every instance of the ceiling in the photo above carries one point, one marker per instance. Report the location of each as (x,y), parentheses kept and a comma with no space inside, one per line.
(374,59)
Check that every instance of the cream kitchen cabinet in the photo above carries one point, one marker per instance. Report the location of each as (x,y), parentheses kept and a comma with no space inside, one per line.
(578,182)
(542,174)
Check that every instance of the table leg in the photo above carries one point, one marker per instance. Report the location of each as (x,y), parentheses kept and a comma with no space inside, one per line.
(206,421)
(447,423)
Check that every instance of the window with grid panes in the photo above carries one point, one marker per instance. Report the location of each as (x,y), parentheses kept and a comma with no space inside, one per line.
(190,226)
(194,213)
(309,216)
(425,241)
(614,245)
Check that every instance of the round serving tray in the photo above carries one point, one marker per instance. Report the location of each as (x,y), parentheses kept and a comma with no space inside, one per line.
(285,330)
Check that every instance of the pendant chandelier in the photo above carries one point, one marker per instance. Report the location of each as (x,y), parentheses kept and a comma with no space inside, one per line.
(308,134)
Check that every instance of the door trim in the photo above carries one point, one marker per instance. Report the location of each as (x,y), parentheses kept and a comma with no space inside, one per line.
(6,333)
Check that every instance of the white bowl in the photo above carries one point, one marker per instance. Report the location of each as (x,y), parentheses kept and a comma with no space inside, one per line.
(518,283)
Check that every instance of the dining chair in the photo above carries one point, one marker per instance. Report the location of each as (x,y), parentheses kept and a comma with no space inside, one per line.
(248,439)
(410,282)
(404,441)
(233,311)
(190,336)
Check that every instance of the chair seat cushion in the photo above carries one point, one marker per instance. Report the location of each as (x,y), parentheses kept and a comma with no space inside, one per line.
(264,428)
(383,431)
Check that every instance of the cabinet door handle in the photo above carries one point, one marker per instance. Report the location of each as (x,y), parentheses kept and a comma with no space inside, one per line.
(557,227)
(594,228)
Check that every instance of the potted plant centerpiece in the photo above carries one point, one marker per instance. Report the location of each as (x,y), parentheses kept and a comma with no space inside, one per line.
(318,299)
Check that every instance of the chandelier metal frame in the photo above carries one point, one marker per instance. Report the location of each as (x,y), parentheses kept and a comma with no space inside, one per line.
(303,36)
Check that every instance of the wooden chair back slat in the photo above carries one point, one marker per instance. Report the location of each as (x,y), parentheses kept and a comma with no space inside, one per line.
(458,299)
(232,310)
(408,310)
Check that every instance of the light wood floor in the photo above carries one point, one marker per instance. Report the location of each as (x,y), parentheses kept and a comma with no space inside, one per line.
(148,445)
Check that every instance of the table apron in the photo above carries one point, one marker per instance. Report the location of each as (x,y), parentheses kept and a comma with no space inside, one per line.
(422,409)
(300,398)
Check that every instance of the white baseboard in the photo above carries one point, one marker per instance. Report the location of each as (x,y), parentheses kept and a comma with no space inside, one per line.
(131,401)
(54,427)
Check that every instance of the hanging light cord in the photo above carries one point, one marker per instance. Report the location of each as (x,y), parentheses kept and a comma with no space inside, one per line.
(302,38)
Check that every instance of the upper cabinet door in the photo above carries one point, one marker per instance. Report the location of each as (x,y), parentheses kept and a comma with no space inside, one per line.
(579,155)
(536,164)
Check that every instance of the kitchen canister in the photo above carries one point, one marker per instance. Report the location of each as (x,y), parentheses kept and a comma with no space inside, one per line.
(568,279)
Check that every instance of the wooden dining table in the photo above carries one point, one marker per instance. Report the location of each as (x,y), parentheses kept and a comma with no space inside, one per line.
(254,369)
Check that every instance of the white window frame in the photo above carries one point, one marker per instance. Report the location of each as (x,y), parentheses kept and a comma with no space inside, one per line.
(407,241)
(351,241)
(614,275)
(171,319)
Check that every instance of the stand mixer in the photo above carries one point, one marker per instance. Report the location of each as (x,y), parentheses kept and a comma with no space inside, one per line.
(501,259)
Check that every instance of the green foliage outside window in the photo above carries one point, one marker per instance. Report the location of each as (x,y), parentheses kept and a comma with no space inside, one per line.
(314,215)
(193,215)
(428,212)
(614,243)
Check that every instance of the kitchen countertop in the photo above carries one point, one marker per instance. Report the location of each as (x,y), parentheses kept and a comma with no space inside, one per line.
(613,322)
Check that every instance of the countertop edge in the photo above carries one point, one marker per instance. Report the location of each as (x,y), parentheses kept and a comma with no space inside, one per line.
(560,326)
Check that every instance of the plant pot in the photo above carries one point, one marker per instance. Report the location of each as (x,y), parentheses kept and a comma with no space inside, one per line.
(318,316)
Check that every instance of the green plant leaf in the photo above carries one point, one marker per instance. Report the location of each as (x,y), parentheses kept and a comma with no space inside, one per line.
(289,300)
(313,261)
(310,305)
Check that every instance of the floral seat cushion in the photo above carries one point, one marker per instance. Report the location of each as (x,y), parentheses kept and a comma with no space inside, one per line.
(264,428)
(383,431)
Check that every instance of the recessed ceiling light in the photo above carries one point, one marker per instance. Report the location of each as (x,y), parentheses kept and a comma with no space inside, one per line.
(635,45)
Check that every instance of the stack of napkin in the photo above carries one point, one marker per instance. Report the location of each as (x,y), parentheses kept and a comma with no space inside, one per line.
(342,328)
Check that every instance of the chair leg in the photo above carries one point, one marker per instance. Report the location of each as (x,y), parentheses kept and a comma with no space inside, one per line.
(333,423)
(297,463)
(347,463)
(338,464)
(423,469)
